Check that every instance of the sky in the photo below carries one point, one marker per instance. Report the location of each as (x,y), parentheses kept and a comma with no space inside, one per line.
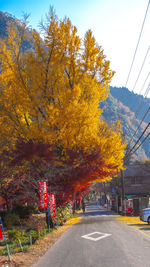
(116,26)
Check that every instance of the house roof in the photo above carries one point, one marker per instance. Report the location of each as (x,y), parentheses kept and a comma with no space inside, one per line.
(137,179)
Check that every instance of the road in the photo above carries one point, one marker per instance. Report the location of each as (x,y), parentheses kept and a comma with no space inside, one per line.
(110,243)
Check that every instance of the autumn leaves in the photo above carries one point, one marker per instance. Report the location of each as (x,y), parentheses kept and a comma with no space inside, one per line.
(51,94)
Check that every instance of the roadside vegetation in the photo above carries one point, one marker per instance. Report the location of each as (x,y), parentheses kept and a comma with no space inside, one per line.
(23,227)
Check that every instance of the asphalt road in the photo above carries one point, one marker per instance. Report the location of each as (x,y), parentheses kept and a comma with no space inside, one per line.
(109,244)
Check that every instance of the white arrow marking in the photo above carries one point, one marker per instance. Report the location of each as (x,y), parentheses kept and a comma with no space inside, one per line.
(101,236)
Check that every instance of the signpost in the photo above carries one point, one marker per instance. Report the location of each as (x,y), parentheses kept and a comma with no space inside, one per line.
(47,201)
(1,233)
(43,195)
(52,205)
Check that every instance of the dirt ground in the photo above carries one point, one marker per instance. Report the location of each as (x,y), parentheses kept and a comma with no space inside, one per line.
(26,259)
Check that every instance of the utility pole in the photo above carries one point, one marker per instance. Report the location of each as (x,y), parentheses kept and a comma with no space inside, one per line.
(122,192)
(48,208)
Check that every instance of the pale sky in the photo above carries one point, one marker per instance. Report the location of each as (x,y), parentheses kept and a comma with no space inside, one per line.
(116,25)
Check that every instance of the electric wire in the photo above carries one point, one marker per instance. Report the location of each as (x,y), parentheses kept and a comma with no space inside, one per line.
(137,44)
(145,114)
(147,91)
(143,100)
(139,125)
(141,69)
(134,87)
(139,138)
(138,79)
(138,146)
(144,83)
(138,110)
(141,143)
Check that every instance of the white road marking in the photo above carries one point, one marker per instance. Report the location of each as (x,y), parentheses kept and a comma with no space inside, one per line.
(101,236)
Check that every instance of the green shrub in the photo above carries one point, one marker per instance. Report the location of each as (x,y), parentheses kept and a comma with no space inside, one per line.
(62,215)
(11,219)
(2,243)
(25,247)
(67,213)
(13,248)
(24,211)
(59,216)
(5,252)
(14,235)
(34,234)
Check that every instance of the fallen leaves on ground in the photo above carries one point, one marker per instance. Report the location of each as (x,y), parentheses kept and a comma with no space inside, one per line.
(135,222)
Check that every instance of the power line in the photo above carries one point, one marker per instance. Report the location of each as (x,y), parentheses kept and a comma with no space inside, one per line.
(145,114)
(141,69)
(129,153)
(139,138)
(122,178)
(139,124)
(137,44)
(142,102)
(138,110)
(147,91)
(144,83)
(139,145)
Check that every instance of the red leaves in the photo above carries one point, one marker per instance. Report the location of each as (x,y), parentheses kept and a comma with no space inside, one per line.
(29,151)
(73,174)
(81,169)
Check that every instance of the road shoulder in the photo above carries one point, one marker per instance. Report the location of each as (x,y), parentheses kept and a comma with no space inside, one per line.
(135,223)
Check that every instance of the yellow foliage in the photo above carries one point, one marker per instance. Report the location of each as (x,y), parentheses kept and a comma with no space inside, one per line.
(52,93)
(111,144)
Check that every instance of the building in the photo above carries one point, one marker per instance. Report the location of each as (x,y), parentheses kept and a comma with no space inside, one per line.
(136,188)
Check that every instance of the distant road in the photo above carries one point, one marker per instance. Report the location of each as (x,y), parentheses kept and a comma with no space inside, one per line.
(99,240)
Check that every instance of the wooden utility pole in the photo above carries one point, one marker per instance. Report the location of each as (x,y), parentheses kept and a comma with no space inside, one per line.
(122,193)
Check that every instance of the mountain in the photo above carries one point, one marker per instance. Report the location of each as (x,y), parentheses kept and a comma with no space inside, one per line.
(6,18)
(121,104)
(133,101)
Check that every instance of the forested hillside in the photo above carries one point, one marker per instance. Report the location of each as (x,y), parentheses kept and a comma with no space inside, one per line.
(5,19)
(123,105)
(136,103)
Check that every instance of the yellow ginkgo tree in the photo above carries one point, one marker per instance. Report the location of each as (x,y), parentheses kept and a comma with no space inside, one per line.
(51,92)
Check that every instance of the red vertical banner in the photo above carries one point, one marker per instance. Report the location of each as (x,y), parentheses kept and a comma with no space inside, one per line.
(1,233)
(43,195)
(52,205)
